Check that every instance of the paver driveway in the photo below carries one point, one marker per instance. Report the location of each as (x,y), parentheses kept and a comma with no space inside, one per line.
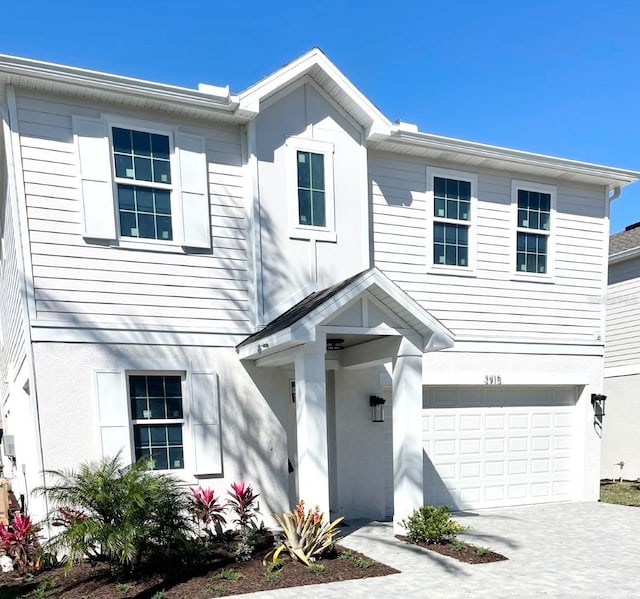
(585,550)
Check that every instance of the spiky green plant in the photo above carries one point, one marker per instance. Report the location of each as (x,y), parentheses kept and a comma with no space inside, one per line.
(116,514)
(305,535)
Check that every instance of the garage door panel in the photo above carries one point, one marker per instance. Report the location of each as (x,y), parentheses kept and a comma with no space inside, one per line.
(493,447)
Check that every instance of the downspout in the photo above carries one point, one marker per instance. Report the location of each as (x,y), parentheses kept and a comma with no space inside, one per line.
(8,123)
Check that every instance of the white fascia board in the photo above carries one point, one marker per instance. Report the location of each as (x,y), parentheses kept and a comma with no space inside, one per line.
(73,77)
(273,344)
(625,255)
(610,176)
(251,97)
(464,376)
(439,338)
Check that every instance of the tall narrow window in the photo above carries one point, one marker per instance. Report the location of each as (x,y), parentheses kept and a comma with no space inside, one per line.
(157,415)
(143,178)
(533,231)
(451,221)
(311,190)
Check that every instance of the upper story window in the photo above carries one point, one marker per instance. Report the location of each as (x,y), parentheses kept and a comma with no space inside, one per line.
(534,205)
(157,417)
(310,189)
(143,181)
(451,220)
(142,185)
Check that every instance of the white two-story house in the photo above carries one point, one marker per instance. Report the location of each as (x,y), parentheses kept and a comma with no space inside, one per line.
(233,283)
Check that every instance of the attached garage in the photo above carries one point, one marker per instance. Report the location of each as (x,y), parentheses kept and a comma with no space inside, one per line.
(498,446)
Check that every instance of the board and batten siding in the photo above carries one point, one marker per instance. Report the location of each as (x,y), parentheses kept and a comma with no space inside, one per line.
(491,304)
(622,346)
(80,282)
(13,340)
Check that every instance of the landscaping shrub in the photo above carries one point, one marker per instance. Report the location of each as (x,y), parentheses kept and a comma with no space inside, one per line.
(304,535)
(243,502)
(118,515)
(207,510)
(19,541)
(430,524)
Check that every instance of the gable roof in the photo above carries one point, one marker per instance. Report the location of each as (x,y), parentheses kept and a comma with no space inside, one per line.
(297,325)
(315,65)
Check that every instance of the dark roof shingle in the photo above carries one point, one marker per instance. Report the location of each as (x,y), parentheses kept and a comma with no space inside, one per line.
(625,240)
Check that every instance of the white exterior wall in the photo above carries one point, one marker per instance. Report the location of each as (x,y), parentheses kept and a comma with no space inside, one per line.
(491,304)
(292,267)
(623,317)
(12,317)
(80,283)
(620,438)
(253,411)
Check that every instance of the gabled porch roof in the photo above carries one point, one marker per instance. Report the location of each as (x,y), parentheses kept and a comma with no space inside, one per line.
(298,325)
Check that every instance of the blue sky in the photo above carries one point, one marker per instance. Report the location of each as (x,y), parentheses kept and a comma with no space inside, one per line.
(560,78)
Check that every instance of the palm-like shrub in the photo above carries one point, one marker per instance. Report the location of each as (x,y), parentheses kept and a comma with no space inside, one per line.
(118,515)
(243,502)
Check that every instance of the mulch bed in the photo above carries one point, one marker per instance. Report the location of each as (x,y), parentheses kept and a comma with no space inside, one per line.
(464,552)
(85,581)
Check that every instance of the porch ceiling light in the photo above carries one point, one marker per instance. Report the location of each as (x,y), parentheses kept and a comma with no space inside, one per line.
(335,344)
(377,408)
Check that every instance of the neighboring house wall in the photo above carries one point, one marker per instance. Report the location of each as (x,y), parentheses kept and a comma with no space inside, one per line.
(295,260)
(493,303)
(623,315)
(620,438)
(78,282)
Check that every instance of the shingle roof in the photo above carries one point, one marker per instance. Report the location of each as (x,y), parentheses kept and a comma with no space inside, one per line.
(625,240)
(302,308)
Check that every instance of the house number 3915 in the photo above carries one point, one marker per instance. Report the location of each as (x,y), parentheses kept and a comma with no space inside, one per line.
(492,379)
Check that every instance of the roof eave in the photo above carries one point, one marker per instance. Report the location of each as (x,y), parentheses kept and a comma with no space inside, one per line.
(38,72)
(610,176)
(624,255)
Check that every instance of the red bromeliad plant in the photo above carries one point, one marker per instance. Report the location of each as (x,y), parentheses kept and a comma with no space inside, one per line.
(207,509)
(243,502)
(19,540)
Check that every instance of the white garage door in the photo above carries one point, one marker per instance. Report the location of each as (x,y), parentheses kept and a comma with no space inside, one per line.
(489,447)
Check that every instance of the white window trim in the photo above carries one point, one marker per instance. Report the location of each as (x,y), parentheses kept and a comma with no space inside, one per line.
(187,449)
(552,190)
(472,178)
(308,232)
(176,212)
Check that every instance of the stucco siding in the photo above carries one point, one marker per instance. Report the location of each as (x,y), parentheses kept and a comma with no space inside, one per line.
(620,439)
(492,303)
(79,282)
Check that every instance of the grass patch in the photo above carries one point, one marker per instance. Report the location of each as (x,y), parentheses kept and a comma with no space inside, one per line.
(317,568)
(621,493)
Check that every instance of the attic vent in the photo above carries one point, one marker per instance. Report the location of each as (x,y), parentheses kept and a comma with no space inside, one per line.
(631,227)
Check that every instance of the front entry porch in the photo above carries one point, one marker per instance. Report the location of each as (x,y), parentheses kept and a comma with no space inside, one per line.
(362,323)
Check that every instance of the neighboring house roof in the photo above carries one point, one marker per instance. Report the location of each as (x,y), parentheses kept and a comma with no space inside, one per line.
(217,103)
(297,325)
(625,240)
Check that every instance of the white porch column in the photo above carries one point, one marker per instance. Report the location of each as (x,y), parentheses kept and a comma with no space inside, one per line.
(407,431)
(311,419)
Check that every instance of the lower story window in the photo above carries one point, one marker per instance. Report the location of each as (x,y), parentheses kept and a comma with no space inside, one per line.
(157,415)
(532,253)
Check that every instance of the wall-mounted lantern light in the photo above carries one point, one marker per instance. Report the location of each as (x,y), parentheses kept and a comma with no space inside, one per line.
(597,401)
(377,408)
